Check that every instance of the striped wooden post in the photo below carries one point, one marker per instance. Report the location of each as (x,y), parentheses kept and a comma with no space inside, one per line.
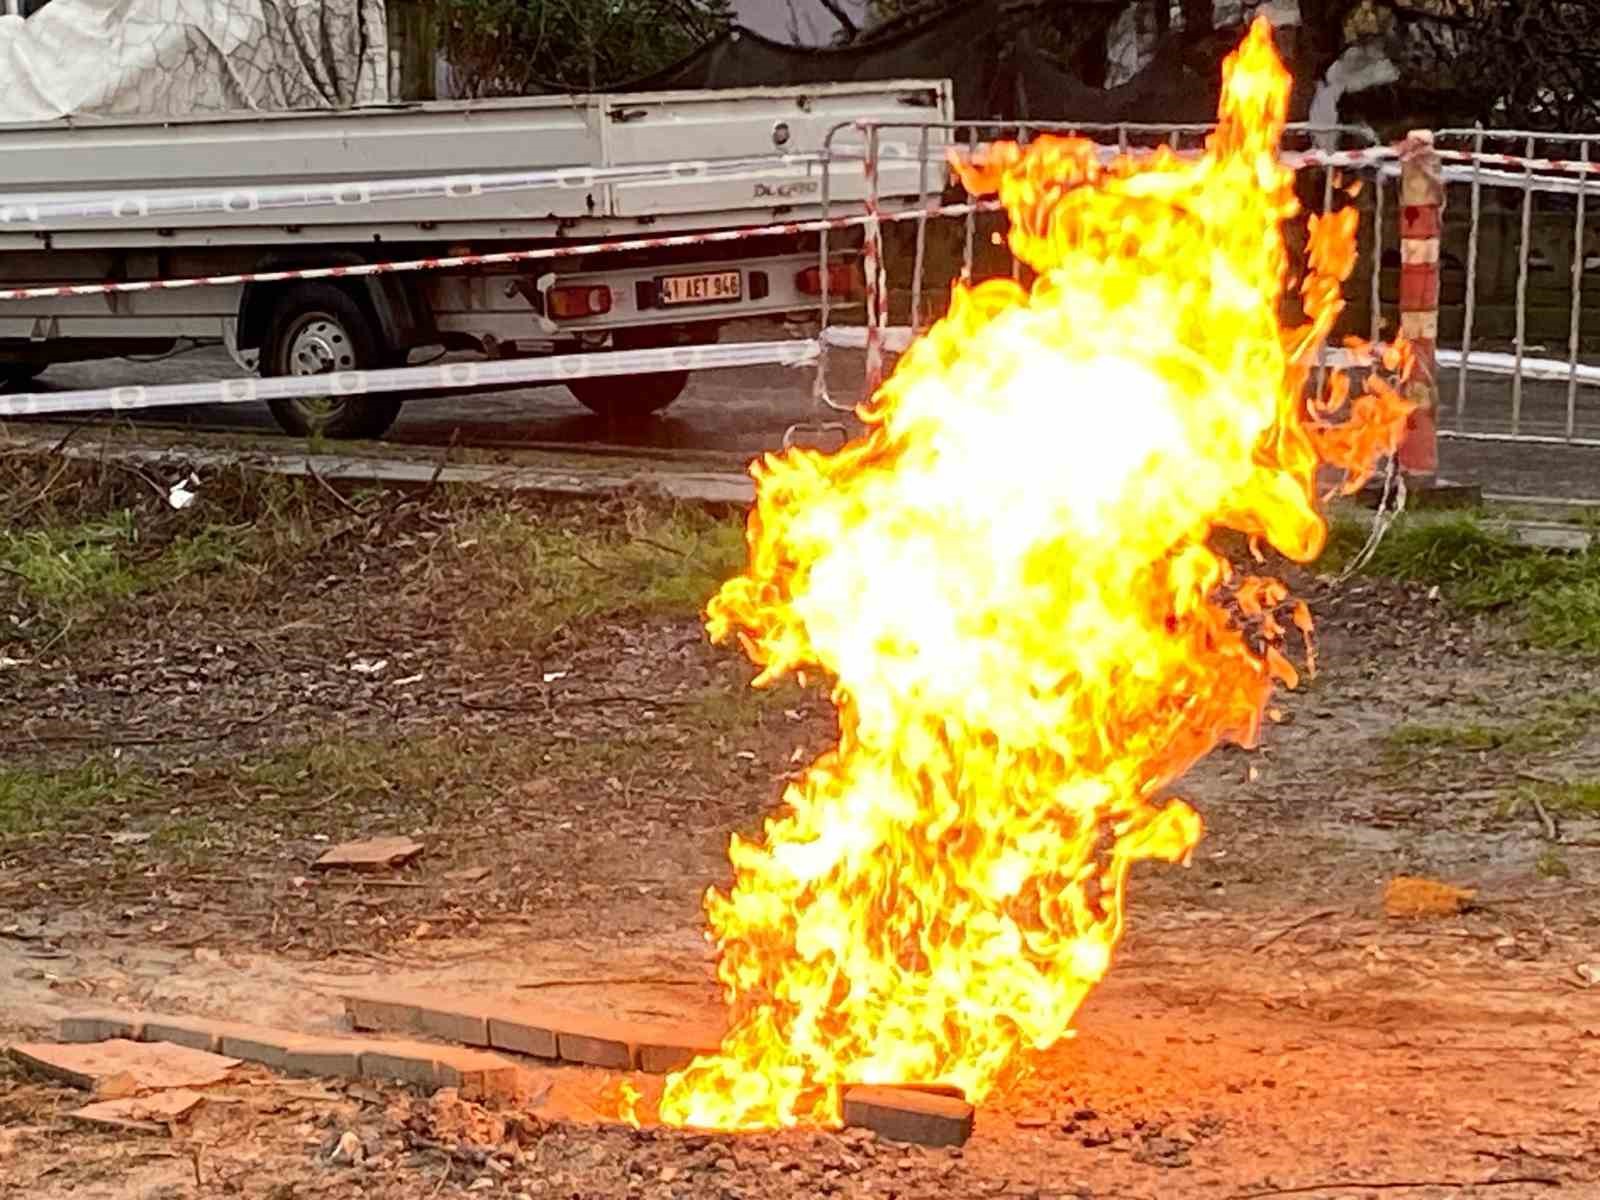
(1421,222)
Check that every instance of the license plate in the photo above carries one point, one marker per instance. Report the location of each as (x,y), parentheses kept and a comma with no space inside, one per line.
(701,289)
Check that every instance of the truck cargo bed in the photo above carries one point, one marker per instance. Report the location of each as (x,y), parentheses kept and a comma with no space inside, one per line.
(240,154)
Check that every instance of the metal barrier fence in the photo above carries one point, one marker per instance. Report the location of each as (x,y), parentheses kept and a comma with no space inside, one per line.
(1322,155)
(1515,255)
(1495,275)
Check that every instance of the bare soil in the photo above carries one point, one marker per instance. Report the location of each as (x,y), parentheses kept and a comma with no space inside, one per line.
(176,755)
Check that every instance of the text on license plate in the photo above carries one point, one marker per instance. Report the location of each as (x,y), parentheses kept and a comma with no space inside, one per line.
(699,289)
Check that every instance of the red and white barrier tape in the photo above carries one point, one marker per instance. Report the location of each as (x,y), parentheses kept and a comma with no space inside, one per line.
(444,377)
(1565,165)
(495,258)
(46,208)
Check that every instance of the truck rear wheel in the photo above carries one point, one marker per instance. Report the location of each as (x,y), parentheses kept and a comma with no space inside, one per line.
(318,329)
(14,377)
(632,397)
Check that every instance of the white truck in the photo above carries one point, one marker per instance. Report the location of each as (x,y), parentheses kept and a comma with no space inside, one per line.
(94,199)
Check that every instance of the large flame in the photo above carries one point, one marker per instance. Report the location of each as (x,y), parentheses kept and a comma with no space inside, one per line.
(1010,578)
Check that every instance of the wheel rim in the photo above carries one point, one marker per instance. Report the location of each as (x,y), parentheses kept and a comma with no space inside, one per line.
(318,344)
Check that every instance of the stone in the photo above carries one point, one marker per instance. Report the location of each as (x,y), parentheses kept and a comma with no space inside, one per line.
(902,1115)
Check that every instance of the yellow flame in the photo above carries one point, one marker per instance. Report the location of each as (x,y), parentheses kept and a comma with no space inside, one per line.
(1010,580)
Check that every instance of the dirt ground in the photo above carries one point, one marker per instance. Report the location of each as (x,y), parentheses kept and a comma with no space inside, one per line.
(199,703)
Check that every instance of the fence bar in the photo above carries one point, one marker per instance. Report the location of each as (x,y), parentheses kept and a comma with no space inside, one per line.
(922,234)
(1421,211)
(1524,252)
(872,256)
(819,385)
(1469,308)
(1327,207)
(972,217)
(1574,333)
(1377,256)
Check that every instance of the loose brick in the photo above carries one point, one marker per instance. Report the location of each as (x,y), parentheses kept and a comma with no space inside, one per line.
(338,1058)
(902,1115)
(664,1049)
(101,1027)
(196,1033)
(510,1029)
(597,1042)
(392,1012)
(476,1074)
(415,1063)
(451,1019)
(463,1021)
(269,1047)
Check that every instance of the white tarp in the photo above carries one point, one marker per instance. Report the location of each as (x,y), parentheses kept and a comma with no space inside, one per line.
(176,57)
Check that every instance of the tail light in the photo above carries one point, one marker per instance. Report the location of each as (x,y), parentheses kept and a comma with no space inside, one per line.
(578,300)
(843,280)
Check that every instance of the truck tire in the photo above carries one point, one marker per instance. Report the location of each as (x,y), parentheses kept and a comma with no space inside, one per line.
(15,377)
(319,329)
(633,397)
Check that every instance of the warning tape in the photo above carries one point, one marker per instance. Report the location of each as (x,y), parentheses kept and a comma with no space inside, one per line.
(53,207)
(444,377)
(1568,165)
(495,258)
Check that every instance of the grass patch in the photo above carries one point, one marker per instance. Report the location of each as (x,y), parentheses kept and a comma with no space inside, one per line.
(1555,596)
(546,575)
(1518,737)
(1551,865)
(73,573)
(1580,799)
(70,799)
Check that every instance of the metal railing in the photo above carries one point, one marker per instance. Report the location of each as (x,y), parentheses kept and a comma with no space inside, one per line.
(1515,255)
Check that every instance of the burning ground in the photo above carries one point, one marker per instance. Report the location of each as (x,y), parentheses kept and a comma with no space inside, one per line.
(195,711)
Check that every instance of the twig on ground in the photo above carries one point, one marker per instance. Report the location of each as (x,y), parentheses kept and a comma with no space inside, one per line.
(444,459)
(100,739)
(579,702)
(1300,924)
(1398,1185)
(613,981)
(592,565)
(133,470)
(67,437)
(660,546)
(311,468)
(1545,819)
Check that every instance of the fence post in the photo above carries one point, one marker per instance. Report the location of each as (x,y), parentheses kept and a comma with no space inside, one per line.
(1421,223)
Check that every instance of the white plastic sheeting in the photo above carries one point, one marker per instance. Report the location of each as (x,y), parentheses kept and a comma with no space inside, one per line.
(178,57)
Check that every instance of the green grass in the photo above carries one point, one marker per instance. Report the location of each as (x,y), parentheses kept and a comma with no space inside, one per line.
(1554,596)
(1551,865)
(544,575)
(1569,799)
(70,799)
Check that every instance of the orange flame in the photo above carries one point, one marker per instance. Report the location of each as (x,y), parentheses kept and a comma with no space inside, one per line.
(1009,577)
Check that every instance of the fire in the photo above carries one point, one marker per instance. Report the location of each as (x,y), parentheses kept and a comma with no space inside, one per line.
(1010,579)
